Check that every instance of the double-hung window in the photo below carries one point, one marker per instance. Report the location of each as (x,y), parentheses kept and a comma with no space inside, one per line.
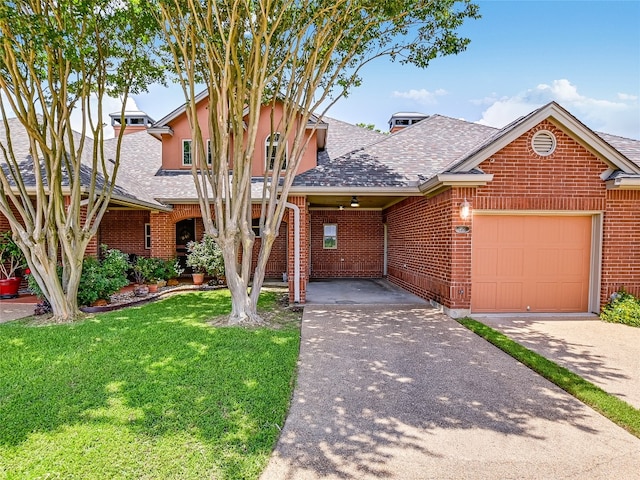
(330,236)
(271,147)
(187,153)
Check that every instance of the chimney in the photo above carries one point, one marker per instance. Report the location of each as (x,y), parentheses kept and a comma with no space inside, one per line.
(402,120)
(133,122)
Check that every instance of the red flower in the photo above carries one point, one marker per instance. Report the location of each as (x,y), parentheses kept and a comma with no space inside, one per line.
(27,271)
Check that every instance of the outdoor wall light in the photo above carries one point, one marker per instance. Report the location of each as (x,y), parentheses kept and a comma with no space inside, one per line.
(465,210)
(354,202)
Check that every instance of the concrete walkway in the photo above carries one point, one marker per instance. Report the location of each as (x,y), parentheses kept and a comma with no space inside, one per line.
(606,354)
(12,310)
(407,393)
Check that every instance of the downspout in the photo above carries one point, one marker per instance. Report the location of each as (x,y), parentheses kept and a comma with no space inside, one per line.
(296,251)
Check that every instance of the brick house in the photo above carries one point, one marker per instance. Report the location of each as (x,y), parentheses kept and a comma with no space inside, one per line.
(539,216)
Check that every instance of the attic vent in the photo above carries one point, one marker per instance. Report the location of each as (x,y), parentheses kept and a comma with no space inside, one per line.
(543,143)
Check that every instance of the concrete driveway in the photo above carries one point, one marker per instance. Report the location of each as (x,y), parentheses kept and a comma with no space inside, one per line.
(407,393)
(606,354)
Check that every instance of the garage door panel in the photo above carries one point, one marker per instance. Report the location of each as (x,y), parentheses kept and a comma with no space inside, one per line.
(573,296)
(487,262)
(541,262)
(510,262)
(487,293)
(546,262)
(509,296)
(574,262)
(511,231)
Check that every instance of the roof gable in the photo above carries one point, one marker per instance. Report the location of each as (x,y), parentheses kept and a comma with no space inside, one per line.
(560,117)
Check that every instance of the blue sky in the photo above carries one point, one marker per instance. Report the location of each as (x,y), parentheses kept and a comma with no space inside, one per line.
(583,54)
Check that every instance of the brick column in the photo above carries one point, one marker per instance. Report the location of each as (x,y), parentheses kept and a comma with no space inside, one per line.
(301,202)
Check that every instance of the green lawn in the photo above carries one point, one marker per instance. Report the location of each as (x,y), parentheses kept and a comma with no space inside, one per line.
(151,392)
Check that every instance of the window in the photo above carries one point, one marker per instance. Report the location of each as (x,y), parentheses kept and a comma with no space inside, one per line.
(271,147)
(147,236)
(255,226)
(186,152)
(330,236)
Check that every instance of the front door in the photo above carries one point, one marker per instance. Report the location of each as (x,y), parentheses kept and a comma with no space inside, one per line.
(185,233)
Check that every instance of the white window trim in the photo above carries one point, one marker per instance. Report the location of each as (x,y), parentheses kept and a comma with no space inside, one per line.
(147,236)
(190,142)
(325,236)
(275,145)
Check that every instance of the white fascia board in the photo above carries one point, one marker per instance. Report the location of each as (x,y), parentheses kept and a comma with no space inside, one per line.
(624,183)
(156,131)
(444,180)
(566,122)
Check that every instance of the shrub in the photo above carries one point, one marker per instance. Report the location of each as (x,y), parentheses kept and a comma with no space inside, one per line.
(102,278)
(99,279)
(622,308)
(205,256)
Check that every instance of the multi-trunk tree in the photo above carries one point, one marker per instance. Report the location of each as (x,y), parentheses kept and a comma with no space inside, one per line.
(300,55)
(57,57)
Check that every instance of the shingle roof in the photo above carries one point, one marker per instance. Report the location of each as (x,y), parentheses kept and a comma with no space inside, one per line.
(629,147)
(405,158)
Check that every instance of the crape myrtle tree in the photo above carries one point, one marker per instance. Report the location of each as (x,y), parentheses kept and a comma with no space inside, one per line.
(303,56)
(57,57)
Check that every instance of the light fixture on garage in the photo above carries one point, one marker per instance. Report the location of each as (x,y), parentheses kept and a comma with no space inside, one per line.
(354,202)
(340,208)
(465,210)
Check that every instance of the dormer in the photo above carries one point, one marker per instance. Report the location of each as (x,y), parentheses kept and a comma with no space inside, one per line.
(134,121)
(402,120)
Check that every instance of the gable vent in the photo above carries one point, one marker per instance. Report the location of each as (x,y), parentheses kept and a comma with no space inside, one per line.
(544,143)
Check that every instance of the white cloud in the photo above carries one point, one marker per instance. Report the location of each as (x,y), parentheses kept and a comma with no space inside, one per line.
(618,117)
(109,105)
(626,96)
(422,96)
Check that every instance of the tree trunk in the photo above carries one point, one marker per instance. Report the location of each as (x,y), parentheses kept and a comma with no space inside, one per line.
(64,302)
(244,310)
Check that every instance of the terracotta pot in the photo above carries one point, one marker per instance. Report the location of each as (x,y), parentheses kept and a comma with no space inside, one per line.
(9,287)
(153,287)
(198,278)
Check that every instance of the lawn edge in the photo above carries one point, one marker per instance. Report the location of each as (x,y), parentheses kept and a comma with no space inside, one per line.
(615,409)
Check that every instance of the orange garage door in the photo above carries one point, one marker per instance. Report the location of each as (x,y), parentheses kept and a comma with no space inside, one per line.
(530,263)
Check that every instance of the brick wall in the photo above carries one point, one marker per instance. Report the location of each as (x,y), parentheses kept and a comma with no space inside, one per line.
(621,244)
(427,257)
(360,247)
(420,246)
(124,230)
(568,179)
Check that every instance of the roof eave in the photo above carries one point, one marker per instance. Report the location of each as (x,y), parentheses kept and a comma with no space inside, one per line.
(624,183)
(443,181)
(159,131)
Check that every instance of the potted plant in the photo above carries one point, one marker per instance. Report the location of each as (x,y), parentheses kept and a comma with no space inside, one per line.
(142,274)
(12,260)
(205,257)
(174,270)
